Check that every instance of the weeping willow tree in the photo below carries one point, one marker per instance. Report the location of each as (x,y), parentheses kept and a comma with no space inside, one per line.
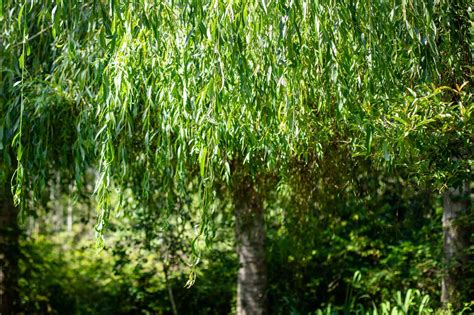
(429,132)
(181,96)
(39,123)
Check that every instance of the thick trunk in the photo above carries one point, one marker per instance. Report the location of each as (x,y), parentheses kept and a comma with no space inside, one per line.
(250,238)
(456,242)
(9,233)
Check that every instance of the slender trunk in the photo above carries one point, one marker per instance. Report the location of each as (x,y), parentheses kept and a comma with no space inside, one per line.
(250,238)
(69,218)
(456,242)
(9,235)
(170,290)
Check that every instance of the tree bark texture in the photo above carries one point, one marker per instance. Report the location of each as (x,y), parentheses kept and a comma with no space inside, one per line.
(9,254)
(456,204)
(250,239)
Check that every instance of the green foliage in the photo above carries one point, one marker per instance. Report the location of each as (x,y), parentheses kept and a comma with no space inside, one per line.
(345,106)
(60,275)
(176,91)
(56,281)
(63,273)
(354,219)
(413,302)
(391,238)
(429,133)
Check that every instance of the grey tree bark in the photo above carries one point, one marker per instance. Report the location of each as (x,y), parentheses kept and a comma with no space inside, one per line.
(456,204)
(250,238)
(9,237)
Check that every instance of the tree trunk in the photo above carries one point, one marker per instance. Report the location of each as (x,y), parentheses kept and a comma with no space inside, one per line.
(69,218)
(9,235)
(456,242)
(250,238)
(170,289)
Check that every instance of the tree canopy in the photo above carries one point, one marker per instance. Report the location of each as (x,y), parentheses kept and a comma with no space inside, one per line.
(183,89)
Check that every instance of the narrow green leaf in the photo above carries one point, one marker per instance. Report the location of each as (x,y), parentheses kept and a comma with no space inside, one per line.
(21,60)
(202,160)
